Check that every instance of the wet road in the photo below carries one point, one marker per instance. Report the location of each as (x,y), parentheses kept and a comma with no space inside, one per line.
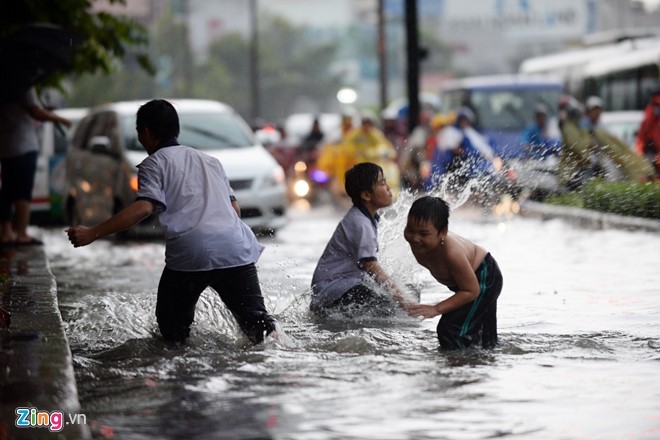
(579,321)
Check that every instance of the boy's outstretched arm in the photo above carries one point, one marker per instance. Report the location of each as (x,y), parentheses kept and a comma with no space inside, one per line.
(376,271)
(127,217)
(456,301)
(468,291)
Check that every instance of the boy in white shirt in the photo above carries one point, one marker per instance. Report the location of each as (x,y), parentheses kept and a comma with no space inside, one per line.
(206,243)
(338,282)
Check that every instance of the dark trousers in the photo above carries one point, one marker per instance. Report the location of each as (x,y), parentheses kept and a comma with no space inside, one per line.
(476,322)
(361,300)
(238,287)
(17,181)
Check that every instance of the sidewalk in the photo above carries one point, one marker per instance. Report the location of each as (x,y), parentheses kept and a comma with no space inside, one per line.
(588,218)
(36,368)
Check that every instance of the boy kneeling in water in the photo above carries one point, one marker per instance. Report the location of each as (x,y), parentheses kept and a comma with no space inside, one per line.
(469,315)
(340,281)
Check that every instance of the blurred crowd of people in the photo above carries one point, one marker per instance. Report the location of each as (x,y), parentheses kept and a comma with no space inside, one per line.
(448,144)
(589,151)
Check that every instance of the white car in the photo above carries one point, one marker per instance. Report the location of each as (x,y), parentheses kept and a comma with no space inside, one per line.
(102,163)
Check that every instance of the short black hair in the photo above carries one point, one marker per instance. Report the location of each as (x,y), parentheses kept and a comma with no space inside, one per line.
(361,177)
(432,209)
(160,117)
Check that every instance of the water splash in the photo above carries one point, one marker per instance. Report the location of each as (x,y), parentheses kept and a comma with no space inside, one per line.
(451,193)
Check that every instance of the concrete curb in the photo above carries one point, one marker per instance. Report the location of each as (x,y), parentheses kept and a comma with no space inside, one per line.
(36,368)
(588,218)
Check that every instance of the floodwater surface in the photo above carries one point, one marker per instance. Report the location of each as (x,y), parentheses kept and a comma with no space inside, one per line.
(579,358)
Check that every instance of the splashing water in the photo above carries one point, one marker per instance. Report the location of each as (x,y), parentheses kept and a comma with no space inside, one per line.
(447,190)
(574,314)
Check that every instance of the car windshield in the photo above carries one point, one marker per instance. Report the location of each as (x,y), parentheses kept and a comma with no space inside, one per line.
(203,131)
(508,110)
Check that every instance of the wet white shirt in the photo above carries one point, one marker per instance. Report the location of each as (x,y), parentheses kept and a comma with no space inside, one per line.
(191,193)
(354,241)
(18,131)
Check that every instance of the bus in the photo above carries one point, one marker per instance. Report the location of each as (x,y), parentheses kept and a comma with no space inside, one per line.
(503,105)
(622,73)
(624,82)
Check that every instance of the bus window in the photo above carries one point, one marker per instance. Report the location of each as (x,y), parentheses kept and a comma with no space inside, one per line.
(503,105)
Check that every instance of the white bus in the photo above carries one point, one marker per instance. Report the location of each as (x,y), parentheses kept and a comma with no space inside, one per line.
(625,81)
(621,73)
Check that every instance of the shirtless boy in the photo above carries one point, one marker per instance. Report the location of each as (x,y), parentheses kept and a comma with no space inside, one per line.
(469,315)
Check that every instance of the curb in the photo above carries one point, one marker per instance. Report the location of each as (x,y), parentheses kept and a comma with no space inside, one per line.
(36,369)
(588,217)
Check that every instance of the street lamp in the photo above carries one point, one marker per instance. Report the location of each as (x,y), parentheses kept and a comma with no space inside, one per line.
(347,96)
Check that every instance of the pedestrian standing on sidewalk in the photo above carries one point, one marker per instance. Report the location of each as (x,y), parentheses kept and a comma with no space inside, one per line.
(206,243)
(19,151)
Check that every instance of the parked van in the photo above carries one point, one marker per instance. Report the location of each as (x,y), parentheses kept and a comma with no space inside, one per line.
(101,168)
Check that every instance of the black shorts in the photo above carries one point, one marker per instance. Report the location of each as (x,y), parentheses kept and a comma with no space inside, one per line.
(476,322)
(238,287)
(17,180)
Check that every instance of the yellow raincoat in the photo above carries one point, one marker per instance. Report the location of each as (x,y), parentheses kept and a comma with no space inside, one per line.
(360,145)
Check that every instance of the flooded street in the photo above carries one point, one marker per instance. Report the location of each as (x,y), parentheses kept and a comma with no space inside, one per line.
(579,322)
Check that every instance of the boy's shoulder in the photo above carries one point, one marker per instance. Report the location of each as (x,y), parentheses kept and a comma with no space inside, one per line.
(356,221)
(354,215)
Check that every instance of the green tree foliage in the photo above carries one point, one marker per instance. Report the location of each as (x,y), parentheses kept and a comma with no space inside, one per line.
(106,37)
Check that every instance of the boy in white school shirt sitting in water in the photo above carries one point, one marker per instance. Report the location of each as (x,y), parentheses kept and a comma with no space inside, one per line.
(339,282)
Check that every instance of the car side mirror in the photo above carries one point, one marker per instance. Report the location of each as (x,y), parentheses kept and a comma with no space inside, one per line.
(100,145)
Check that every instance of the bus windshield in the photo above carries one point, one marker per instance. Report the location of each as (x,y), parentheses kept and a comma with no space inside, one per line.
(504,105)
(503,109)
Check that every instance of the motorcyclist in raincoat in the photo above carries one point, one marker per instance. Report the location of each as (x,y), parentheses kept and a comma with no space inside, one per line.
(362,144)
(595,153)
(463,155)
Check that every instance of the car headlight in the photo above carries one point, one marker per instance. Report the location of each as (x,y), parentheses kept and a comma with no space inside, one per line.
(274,178)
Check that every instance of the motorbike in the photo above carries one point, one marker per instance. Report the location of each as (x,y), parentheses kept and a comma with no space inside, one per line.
(463,171)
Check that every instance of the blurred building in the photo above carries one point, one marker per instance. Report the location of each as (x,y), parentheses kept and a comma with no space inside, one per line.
(487,36)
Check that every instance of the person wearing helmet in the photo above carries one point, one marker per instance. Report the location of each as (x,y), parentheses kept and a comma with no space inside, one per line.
(594,108)
(367,143)
(461,150)
(536,139)
(589,152)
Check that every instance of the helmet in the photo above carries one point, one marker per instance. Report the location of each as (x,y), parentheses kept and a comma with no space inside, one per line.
(442,119)
(465,112)
(541,109)
(593,102)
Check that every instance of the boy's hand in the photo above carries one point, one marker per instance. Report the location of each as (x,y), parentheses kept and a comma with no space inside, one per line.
(80,236)
(422,311)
